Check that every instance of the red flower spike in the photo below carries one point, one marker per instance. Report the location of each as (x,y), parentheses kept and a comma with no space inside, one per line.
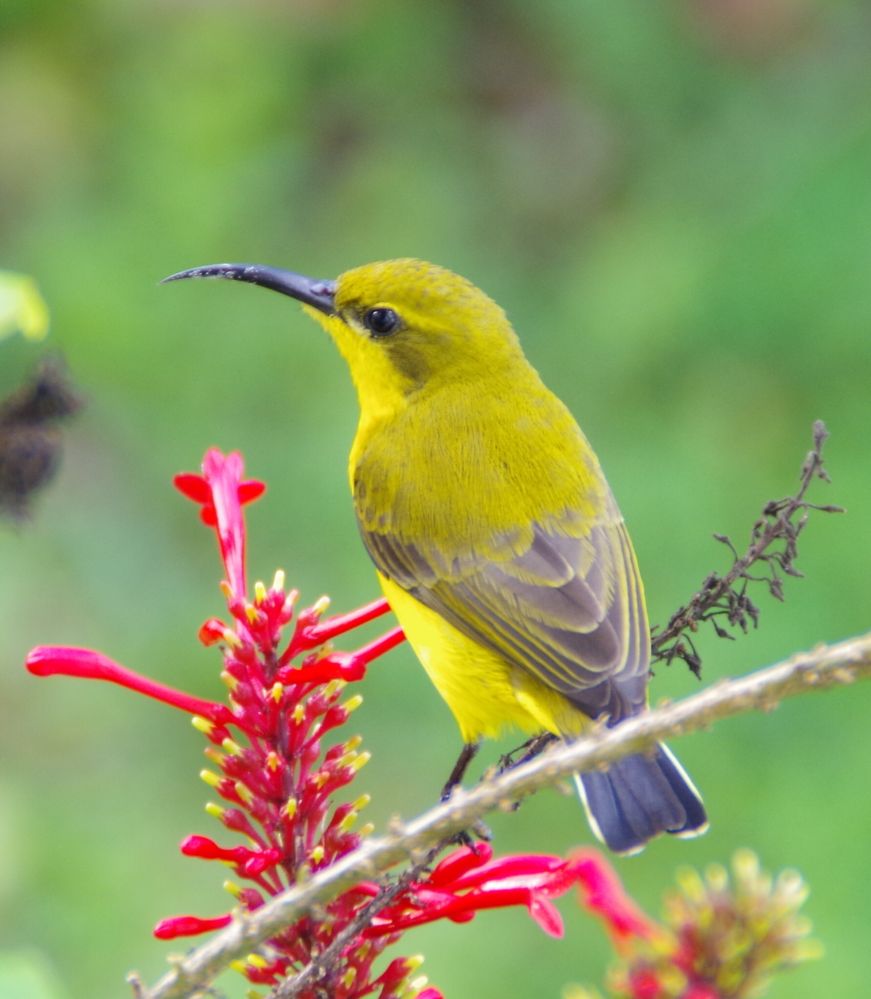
(61,660)
(282,768)
(189,926)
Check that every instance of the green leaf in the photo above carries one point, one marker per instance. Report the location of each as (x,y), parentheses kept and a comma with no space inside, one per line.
(22,308)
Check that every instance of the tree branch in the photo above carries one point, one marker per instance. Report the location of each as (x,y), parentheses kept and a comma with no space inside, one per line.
(825,666)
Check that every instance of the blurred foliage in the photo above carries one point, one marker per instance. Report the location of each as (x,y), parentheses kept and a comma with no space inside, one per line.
(30,435)
(672,202)
(22,308)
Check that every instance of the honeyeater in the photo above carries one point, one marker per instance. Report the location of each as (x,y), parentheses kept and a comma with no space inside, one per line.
(496,538)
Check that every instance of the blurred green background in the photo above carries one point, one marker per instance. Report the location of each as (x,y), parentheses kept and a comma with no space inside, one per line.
(673,202)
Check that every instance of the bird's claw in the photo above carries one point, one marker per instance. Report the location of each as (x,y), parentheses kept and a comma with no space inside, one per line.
(526,752)
(477,832)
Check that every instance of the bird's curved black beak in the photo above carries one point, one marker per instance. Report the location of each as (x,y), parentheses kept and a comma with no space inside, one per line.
(312,291)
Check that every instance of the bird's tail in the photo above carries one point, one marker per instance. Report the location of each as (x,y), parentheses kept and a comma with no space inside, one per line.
(638,797)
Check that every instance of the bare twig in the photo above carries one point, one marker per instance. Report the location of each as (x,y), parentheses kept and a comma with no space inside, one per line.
(723,600)
(319,969)
(825,666)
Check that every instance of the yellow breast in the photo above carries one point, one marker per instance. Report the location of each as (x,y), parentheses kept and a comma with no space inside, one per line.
(484,693)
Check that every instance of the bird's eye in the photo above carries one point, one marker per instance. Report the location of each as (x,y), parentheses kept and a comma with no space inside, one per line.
(381,322)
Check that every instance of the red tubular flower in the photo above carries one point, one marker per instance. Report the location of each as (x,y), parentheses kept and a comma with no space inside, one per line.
(603,894)
(60,660)
(470,880)
(310,632)
(248,862)
(189,926)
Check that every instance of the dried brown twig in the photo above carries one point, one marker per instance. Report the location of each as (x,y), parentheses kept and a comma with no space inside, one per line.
(723,600)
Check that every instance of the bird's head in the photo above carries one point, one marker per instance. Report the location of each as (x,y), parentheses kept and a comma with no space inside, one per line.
(400,324)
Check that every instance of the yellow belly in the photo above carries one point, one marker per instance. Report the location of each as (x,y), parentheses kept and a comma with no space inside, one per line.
(485,694)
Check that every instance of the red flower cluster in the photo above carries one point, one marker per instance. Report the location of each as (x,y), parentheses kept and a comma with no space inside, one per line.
(721,938)
(279,778)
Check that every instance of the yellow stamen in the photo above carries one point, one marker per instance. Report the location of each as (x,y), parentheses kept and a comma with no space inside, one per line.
(202,724)
(361,761)
(348,821)
(231,638)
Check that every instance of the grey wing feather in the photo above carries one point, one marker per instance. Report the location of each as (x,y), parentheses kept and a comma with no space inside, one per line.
(568,609)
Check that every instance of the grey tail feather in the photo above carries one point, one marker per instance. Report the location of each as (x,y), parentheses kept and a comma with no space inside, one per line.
(638,797)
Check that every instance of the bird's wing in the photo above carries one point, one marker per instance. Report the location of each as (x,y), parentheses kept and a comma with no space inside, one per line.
(567,608)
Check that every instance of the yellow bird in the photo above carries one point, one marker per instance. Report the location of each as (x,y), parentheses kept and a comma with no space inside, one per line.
(497,541)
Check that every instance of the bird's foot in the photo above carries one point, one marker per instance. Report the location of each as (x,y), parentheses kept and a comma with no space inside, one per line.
(465,758)
(478,832)
(528,751)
